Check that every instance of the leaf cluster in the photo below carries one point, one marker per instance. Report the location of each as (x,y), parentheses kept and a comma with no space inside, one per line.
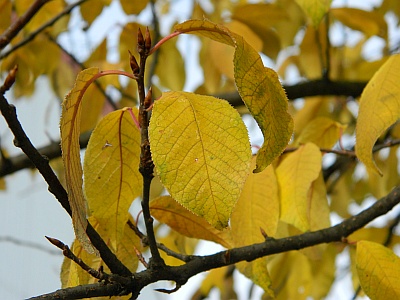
(187,158)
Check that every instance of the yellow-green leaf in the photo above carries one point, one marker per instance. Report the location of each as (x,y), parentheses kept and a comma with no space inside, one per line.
(295,175)
(315,9)
(379,109)
(257,271)
(257,208)
(258,86)
(378,270)
(322,131)
(70,131)
(111,171)
(201,151)
(168,211)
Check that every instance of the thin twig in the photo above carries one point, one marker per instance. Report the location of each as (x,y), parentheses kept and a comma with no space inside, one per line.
(42,164)
(20,23)
(18,242)
(49,23)
(82,66)
(146,166)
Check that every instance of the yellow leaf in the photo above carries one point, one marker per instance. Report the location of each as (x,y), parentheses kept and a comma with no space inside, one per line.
(133,7)
(5,12)
(257,208)
(257,271)
(168,211)
(90,10)
(318,205)
(379,109)
(321,131)
(217,278)
(258,86)
(111,171)
(291,275)
(70,131)
(295,175)
(368,22)
(323,272)
(315,9)
(170,61)
(373,234)
(201,151)
(378,270)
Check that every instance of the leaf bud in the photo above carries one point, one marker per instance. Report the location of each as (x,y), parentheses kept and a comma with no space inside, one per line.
(134,64)
(140,42)
(147,40)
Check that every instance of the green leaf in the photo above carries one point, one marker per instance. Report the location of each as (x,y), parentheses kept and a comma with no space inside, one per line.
(111,171)
(379,109)
(378,270)
(258,86)
(201,152)
(315,9)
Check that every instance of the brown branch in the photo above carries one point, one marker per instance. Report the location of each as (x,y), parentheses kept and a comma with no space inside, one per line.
(42,164)
(352,89)
(49,23)
(146,166)
(310,88)
(12,31)
(198,264)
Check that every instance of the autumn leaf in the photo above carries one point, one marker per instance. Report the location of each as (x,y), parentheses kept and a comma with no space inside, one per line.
(295,175)
(258,86)
(257,271)
(368,22)
(166,210)
(378,270)
(70,130)
(111,174)
(257,208)
(315,9)
(379,109)
(201,152)
(321,131)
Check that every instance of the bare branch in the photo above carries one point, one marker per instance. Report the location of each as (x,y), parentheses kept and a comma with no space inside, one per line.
(12,31)
(49,23)
(42,164)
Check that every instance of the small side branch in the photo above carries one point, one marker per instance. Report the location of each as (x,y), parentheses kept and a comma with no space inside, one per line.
(33,34)
(12,31)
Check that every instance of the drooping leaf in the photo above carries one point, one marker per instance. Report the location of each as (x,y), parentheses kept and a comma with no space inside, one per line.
(257,271)
(258,86)
(219,278)
(70,131)
(315,9)
(318,205)
(257,208)
(323,132)
(368,22)
(295,175)
(378,270)
(379,108)
(201,152)
(171,59)
(168,211)
(111,171)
